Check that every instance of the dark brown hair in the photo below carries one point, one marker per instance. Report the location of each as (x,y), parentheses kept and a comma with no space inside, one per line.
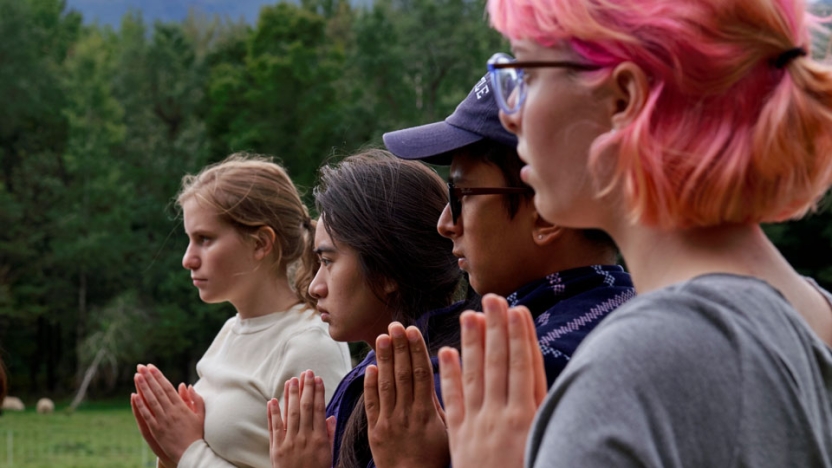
(251,191)
(386,209)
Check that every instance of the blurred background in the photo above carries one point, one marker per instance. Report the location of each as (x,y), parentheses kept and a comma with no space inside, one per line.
(105,105)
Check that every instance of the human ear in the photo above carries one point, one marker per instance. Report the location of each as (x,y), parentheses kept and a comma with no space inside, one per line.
(630,90)
(544,232)
(264,242)
(390,286)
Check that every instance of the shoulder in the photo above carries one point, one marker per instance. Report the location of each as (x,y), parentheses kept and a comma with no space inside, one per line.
(688,317)
(659,365)
(304,326)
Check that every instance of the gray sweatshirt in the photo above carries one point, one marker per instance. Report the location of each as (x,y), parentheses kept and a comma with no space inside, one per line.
(718,371)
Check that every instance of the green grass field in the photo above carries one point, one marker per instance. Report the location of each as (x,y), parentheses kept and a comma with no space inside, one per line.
(95,436)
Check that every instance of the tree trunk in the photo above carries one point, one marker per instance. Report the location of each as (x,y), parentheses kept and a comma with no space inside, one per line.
(88,375)
(81,326)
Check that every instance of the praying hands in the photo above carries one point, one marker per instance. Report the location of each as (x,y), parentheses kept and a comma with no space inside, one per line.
(490,401)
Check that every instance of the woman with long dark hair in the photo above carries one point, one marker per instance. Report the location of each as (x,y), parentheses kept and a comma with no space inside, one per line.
(384,267)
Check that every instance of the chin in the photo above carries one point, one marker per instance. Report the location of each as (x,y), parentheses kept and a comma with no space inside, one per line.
(333,333)
(209,299)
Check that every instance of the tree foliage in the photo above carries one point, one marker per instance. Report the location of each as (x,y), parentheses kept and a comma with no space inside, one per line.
(98,126)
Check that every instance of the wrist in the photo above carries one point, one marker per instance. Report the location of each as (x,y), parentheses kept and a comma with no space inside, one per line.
(177,457)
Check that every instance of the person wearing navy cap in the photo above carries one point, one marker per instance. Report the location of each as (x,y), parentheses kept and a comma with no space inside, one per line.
(566,277)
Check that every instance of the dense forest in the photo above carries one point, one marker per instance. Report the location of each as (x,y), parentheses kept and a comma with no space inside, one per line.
(99,124)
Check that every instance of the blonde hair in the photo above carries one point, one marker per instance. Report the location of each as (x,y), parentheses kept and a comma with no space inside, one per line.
(251,191)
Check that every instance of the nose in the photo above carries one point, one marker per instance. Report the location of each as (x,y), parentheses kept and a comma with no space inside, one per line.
(317,288)
(511,122)
(190,261)
(446,226)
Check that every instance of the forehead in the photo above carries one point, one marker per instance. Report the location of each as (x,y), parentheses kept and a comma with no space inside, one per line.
(198,215)
(467,167)
(324,241)
(321,235)
(561,50)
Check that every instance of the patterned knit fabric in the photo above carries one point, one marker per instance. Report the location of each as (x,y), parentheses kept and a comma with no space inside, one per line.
(567,305)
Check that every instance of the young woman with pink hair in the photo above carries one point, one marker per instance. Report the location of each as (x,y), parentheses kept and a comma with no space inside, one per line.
(676,127)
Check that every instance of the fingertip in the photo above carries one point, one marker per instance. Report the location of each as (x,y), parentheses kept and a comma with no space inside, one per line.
(448,355)
(489,298)
(383,342)
(492,301)
(413,334)
(469,320)
(515,317)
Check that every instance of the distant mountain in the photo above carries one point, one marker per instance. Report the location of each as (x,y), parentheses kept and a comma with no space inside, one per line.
(111,11)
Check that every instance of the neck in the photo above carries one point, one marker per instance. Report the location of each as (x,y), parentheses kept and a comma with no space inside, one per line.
(273,294)
(659,258)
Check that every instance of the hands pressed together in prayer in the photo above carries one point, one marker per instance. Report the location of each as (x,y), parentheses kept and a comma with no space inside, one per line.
(405,421)
(401,405)
(169,420)
(490,401)
(303,436)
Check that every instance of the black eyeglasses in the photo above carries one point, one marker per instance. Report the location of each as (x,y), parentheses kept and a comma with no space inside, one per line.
(455,193)
(508,78)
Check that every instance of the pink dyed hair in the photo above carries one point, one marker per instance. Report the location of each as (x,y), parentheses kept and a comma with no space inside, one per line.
(725,137)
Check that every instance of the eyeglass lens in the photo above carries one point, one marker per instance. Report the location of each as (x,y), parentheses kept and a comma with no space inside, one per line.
(454,202)
(507,82)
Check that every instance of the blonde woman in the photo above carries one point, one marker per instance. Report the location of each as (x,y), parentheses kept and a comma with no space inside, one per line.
(247,227)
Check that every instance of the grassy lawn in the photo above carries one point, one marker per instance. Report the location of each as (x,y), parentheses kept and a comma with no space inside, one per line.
(95,436)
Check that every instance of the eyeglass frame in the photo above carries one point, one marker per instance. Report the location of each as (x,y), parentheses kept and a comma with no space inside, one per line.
(455,195)
(494,68)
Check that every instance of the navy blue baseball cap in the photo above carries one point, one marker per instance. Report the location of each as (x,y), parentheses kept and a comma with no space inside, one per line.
(476,118)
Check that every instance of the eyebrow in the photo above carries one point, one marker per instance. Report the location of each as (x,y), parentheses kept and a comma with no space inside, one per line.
(196,232)
(324,249)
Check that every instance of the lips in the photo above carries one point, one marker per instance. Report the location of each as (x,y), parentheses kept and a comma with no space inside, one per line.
(524,173)
(198,281)
(324,314)
(461,261)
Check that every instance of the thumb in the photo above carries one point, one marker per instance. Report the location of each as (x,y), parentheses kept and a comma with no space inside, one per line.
(330,430)
(185,395)
(198,402)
